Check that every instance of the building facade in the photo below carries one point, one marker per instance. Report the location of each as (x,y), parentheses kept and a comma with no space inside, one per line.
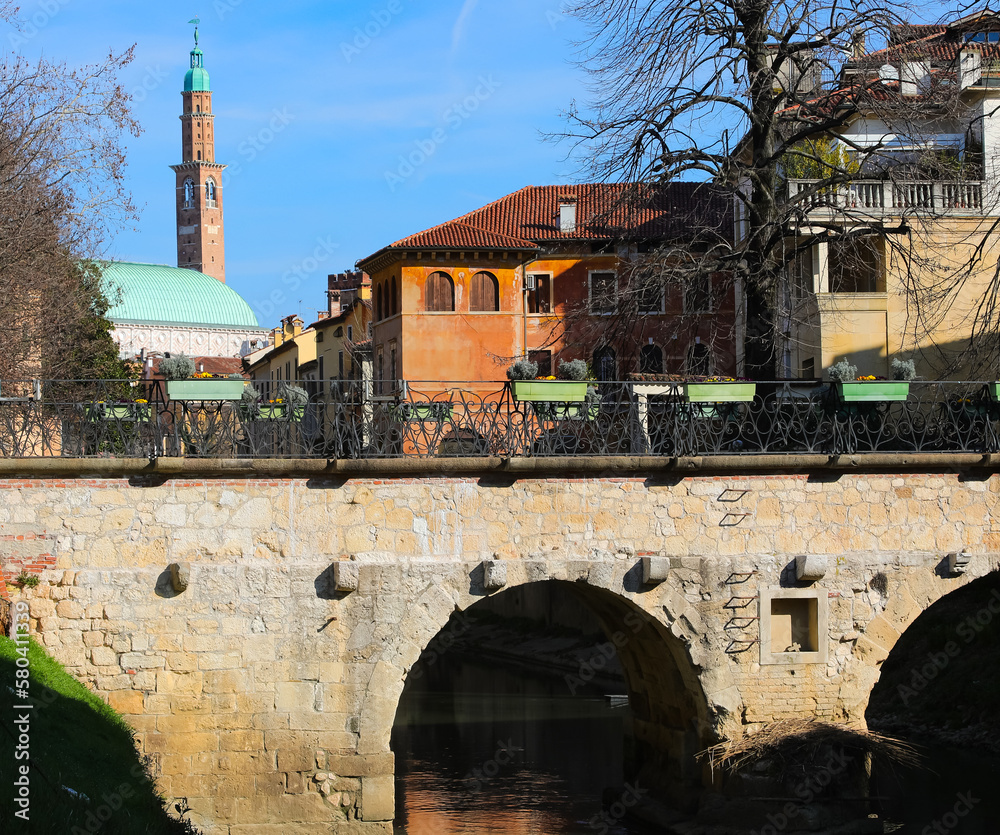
(539,273)
(922,288)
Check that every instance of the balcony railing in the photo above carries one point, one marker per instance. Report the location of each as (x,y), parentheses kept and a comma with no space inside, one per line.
(880,196)
(482,419)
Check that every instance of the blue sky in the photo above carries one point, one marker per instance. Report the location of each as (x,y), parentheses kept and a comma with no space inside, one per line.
(321,110)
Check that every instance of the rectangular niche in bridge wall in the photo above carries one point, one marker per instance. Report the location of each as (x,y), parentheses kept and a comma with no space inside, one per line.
(793,626)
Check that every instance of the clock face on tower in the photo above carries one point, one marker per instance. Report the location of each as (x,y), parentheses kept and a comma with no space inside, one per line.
(199,187)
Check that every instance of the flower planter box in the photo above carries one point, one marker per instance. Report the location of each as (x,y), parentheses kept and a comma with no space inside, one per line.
(719,392)
(273,411)
(431,411)
(205,389)
(559,391)
(134,412)
(869,391)
(556,410)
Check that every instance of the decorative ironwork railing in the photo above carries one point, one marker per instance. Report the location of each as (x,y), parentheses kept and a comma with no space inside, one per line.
(943,196)
(484,419)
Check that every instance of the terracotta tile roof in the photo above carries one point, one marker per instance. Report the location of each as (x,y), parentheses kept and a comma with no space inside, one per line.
(936,42)
(530,217)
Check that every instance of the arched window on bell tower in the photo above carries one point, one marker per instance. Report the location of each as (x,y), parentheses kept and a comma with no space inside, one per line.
(210,193)
(188,193)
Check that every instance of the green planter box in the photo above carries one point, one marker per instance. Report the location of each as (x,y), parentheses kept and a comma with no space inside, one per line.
(272,411)
(555,410)
(994,390)
(205,389)
(719,392)
(869,391)
(431,411)
(135,412)
(560,391)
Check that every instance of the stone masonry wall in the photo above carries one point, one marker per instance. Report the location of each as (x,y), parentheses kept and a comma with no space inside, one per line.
(266,698)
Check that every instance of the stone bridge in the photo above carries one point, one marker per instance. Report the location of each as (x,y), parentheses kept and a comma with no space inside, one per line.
(263,677)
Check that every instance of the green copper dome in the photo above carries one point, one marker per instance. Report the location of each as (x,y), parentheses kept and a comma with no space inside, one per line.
(169,295)
(196,81)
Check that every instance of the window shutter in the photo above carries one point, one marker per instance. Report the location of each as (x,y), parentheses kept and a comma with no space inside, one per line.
(485,293)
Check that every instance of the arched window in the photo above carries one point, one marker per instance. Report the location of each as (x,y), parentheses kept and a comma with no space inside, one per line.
(393,309)
(651,359)
(188,193)
(485,293)
(699,359)
(378,303)
(605,364)
(439,293)
(210,192)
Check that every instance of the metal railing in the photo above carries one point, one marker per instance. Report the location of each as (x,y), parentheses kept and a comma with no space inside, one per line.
(483,419)
(876,196)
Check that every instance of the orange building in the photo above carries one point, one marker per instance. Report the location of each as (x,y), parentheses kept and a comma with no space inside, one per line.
(537,273)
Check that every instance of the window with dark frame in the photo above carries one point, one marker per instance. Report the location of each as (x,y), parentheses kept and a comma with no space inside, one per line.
(651,359)
(603,293)
(651,296)
(698,295)
(605,364)
(540,299)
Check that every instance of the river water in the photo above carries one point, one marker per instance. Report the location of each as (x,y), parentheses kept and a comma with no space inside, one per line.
(483,748)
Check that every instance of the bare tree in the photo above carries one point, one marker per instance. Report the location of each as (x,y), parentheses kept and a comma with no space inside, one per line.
(762,100)
(61,195)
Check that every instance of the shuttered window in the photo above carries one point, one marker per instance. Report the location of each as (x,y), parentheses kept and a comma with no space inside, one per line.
(485,293)
(439,293)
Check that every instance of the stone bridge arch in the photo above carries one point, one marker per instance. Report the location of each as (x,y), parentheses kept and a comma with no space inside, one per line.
(923,648)
(657,643)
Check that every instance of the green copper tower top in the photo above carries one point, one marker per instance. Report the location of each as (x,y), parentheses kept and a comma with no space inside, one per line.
(196,79)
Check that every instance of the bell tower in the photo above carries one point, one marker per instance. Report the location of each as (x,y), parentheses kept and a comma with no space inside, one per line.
(200,231)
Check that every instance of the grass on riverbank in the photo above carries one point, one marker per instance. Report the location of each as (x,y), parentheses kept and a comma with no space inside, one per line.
(85,774)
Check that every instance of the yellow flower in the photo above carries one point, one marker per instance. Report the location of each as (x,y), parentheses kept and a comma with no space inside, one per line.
(141,401)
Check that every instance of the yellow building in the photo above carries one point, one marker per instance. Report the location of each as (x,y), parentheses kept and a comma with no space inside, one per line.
(921,285)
